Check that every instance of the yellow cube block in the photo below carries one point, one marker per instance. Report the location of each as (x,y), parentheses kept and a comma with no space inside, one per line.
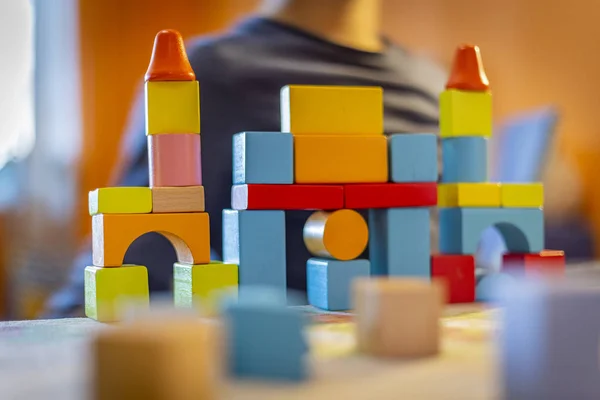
(332,110)
(172,107)
(469,195)
(465,113)
(340,159)
(522,195)
(110,292)
(203,286)
(120,200)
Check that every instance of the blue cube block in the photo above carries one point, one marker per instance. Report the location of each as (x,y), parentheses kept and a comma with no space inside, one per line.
(265,340)
(263,157)
(329,282)
(413,157)
(464,159)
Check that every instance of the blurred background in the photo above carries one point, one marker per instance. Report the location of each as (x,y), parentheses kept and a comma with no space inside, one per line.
(80,62)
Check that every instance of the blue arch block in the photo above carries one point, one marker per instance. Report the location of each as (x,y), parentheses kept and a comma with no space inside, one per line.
(461,228)
(464,159)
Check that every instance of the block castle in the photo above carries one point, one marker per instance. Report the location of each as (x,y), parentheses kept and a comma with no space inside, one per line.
(332,157)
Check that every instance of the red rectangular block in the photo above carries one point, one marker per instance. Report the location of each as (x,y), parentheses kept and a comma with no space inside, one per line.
(390,195)
(287,197)
(547,262)
(174,160)
(459,273)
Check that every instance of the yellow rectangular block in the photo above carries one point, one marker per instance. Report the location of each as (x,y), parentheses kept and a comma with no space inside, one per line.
(465,113)
(172,107)
(120,200)
(203,286)
(469,195)
(522,195)
(332,110)
(340,159)
(177,199)
(110,292)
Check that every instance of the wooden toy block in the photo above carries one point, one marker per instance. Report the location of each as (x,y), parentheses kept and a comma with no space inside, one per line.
(162,359)
(329,282)
(110,292)
(465,113)
(174,160)
(413,157)
(390,195)
(467,71)
(549,345)
(332,110)
(342,234)
(177,199)
(461,228)
(522,195)
(398,317)
(255,354)
(340,159)
(469,195)
(464,159)
(287,197)
(172,107)
(113,233)
(255,241)
(204,286)
(399,242)
(120,200)
(493,287)
(545,263)
(169,61)
(458,271)
(263,157)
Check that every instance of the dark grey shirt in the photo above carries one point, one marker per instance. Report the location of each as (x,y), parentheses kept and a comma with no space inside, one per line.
(240,75)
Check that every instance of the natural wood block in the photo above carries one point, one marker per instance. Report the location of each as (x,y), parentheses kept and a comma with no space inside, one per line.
(120,200)
(342,234)
(112,234)
(177,199)
(165,359)
(398,317)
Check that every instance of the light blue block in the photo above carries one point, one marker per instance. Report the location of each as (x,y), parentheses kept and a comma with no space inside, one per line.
(265,339)
(255,240)
(399,242)
(549,344)
(329,282)
(521,228)
(464,159)
(413,157)
(492,287)
(263,157)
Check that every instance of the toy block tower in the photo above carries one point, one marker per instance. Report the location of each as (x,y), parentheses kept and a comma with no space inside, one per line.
(468,202)
(173,205)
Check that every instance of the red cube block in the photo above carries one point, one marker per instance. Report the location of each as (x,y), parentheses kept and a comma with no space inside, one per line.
(547,263)
(459,273)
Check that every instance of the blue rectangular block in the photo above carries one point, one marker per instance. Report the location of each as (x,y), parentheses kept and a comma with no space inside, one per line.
(263,157)
(399,242)
(265,341)
(329,282)
(461,228)
(464,159)
(413,157)
(255,240)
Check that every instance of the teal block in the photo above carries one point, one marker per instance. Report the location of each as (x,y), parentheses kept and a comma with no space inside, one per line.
(255,241)
(329,282)
(399,242)
(465,159)
(413,157)
(263,157)
(265,338)
(461,228)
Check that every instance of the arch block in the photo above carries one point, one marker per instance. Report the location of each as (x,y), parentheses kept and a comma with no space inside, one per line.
(461,228)
(188,233)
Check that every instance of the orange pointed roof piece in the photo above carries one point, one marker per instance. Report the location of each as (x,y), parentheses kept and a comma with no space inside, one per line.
(169,61)
(467,70)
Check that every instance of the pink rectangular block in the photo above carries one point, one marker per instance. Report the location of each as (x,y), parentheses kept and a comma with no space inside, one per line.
(175,160)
